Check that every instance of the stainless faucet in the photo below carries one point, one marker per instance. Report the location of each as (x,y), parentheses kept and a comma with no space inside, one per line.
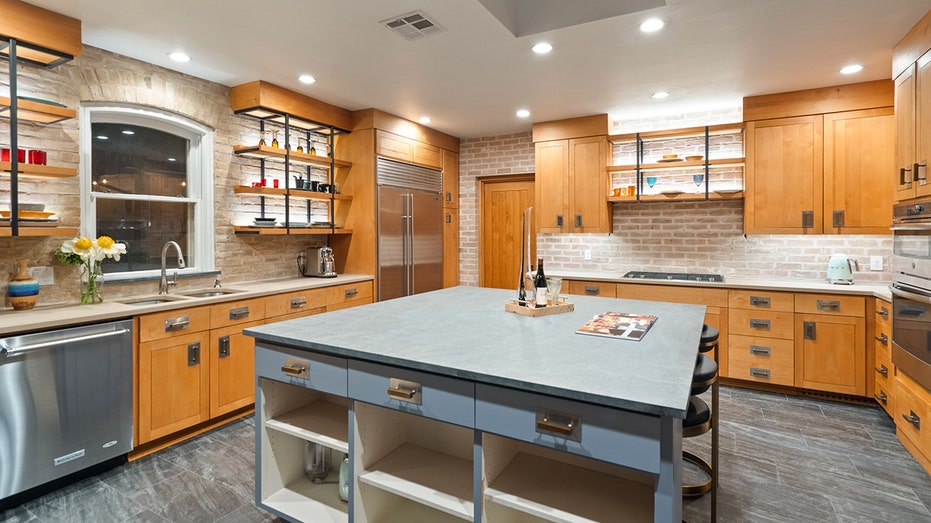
(164,283)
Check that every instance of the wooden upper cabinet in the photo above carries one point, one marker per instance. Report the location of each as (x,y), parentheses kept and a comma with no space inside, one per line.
(429,155)
(450,179)
(36,28)
(905,185)
(552,186)
(923,120)
(407,150)
(783,176)
(589,211)
(858,157)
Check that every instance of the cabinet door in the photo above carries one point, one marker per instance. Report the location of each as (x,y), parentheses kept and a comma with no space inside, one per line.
(450,179)
(450,247)
(551,186)
(429,155)
(859,149)
(589,211)
(394,146)
(904,135)
(784,175)
(232,369)
(830,353)
(173,385)
(923,122)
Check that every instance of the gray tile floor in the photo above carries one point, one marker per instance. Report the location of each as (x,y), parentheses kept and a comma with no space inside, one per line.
(783,458)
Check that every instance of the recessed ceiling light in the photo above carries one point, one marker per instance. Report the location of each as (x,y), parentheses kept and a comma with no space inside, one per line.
(179,57)
(852,69)
(542,48)
(172,159)
(659,95)
(652,25)
(425,120)
(523,113)
(306,79)
(102,137)
(128,132)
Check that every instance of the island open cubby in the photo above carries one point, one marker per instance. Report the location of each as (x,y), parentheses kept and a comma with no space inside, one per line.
(291,416)
(411,468)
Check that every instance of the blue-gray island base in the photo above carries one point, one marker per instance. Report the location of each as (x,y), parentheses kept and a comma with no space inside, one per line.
(495,368)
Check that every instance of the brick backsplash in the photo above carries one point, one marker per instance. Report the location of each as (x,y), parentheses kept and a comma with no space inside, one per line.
(661,236)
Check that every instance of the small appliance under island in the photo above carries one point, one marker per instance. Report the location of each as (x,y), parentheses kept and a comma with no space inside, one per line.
(451,409)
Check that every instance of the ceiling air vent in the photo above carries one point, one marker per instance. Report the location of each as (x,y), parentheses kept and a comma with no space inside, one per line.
(413,25)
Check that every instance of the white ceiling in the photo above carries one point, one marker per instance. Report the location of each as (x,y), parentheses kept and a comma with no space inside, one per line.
(471,77)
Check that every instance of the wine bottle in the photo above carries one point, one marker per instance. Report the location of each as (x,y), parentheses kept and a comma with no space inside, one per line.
(539,284)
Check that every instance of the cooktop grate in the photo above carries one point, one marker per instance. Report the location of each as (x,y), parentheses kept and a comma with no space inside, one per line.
(683,276)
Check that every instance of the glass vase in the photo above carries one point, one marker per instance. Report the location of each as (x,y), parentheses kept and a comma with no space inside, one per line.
(91,284)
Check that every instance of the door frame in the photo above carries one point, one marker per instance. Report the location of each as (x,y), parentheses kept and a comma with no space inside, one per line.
(482,181)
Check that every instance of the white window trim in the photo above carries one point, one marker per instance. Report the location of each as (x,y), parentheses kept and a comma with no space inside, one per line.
(200,157)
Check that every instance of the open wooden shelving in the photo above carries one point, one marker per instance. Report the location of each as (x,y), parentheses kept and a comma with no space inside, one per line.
(671,166)
(685,132)
(6,231)
(279,155)
(278,231)
(36,112)
(680,197)
(28,170)
(294,193)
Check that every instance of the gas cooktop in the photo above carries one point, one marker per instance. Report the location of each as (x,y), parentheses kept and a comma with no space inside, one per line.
(675,276)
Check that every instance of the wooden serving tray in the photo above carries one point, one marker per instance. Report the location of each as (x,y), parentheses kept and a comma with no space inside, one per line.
(512,306)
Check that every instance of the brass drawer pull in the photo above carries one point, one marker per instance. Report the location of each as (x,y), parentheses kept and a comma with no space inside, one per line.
(550,426)
(883,370)
(881,397)
(913,419)
(293,369)
(882,338)
(402,394)
(759,324)
(828,305)
(759,373)
(759,301)
(239,312)
(298,303)
(177,324)
(760,350)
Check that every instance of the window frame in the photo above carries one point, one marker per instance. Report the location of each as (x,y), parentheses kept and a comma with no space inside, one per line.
(200,180)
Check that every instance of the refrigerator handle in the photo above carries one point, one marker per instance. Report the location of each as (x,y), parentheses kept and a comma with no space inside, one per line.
(410,246)
(405,226)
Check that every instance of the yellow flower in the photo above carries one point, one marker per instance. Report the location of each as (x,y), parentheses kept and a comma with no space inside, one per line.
(105,242)
(82,244)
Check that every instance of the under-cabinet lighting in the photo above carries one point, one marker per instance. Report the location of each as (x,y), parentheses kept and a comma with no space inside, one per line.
(852,69)
(542,48)
(652,25)
(523,113)
(306,79)
(659,95)
(425,120)
(180,57)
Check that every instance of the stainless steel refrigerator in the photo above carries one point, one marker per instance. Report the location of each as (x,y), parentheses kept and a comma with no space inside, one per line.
(410,229)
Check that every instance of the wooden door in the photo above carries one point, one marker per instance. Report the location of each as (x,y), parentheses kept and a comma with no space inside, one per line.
(859,149)
(784,176)
(502,203)
(552,186)
(904,134)
(923,122)
(589,209)
(830,353)
(450,247)
(232,369)
(173,385)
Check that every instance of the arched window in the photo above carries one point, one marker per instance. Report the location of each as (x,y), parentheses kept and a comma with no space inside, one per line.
(146,179)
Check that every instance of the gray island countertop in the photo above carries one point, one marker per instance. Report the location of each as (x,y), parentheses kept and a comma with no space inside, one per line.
(465,332)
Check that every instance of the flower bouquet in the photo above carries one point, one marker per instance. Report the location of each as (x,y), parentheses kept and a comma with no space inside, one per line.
(89,254)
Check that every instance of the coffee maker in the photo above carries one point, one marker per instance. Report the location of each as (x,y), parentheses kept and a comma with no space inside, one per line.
(317,262)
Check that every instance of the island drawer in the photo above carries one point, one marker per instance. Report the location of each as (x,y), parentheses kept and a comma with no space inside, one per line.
(429,395)
(569,426)
(304,369)
(768,324)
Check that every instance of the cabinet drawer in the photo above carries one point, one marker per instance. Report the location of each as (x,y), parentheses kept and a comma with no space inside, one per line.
(882,308)
(236,312)
(593,288)
(429,395)
(761,300)
(294,302)
(348,292)
(305,369)
(569,426)
(696,295)
(830,304)
(776,375)
(767,324)
(168,324)
(882,339)
(885,396)
(913,414)
(883,372)
(761,352)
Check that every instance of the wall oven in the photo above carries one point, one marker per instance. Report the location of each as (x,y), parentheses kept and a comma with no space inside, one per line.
(911,290)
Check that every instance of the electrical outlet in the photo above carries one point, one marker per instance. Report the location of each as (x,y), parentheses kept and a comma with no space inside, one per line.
(876,263)
(43,275)
(587,254)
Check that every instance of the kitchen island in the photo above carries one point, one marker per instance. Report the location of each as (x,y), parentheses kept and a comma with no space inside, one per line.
(444,402)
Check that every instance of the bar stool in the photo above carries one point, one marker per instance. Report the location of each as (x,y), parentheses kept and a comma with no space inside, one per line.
(700,419)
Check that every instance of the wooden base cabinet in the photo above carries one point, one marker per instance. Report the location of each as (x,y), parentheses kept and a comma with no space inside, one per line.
(760,336)
(232,356)
(830,343)
(883,369)
(912,416)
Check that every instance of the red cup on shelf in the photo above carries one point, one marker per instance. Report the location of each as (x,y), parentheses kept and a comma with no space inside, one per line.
(5,155)
(275,183)
(37,157)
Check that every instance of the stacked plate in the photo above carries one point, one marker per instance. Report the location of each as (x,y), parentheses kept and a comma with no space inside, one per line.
(30,215)
(264,222)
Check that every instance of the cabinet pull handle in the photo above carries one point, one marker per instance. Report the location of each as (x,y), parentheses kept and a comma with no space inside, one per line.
(559,221)
(913,419)
(193,354)
(224,346)
(177,324)
(811,332)
(449,198)
(759,324)
(881,397)
(592,290)
(882,338)
(759,301)
(551,426)
(449,218)
(884,312)
(294,369)
(401,393)
(351,293)
(760,350)
(902,180)
(882,369)
(239,312)
(759,373)
(828,305)
(838,219)
(298,303)
(578,221)
(808,219)
(922,165)
(917,178)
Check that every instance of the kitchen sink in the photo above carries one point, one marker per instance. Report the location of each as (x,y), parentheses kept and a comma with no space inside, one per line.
(209,293)
(151,300)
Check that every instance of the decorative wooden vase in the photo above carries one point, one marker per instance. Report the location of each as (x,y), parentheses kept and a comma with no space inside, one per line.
(23,289)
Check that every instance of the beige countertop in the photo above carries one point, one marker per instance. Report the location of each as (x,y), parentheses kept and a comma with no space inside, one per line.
(63,315)
(878,290)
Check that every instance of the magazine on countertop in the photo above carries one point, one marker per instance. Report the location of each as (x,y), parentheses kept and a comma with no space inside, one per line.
(623,325)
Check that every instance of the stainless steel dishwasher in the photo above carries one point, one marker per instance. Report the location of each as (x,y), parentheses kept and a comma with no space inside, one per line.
(65,406)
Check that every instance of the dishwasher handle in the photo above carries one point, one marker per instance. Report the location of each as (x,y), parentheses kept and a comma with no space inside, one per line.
(6,349)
